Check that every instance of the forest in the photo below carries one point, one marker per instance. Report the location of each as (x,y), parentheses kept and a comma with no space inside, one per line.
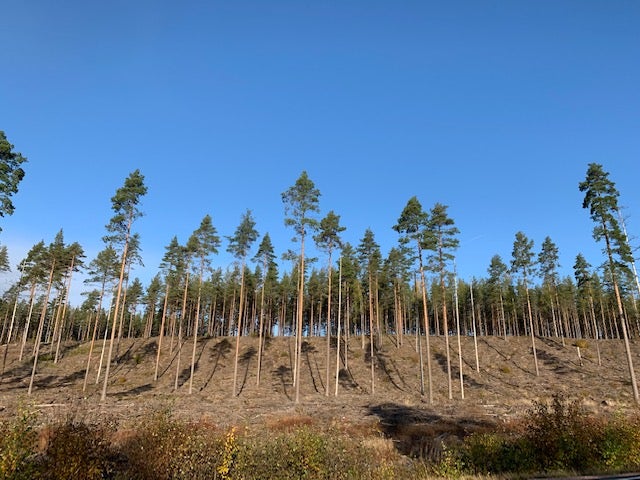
(412,292)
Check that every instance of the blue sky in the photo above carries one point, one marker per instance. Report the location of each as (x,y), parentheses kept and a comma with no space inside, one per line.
(493,108)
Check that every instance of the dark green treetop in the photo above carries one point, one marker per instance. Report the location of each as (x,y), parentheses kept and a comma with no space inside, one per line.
(11,174)
(522,256)
(300,201)
(244,237)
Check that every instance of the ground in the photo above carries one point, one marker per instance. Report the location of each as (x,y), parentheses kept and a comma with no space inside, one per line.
(501,385)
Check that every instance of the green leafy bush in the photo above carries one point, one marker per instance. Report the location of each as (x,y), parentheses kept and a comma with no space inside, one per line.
(18,440)
(557,437)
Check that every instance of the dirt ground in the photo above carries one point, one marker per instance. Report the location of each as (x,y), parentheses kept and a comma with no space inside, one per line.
(504,386)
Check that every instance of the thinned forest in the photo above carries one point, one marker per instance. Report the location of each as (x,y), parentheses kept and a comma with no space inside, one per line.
(410,296)
(395,337)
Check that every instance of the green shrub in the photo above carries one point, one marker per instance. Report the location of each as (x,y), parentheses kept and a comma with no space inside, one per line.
(619,444)
(498,452)
(556,437)
(305,453)
(18,439)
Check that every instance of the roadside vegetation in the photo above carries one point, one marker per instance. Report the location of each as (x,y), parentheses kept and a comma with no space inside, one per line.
(555,438)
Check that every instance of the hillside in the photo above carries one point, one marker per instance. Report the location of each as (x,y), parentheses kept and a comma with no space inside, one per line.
(504,388)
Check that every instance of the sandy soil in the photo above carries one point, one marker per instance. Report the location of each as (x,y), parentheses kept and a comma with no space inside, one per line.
(504,387)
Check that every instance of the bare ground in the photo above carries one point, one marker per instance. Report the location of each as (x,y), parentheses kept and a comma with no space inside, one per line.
(504,387)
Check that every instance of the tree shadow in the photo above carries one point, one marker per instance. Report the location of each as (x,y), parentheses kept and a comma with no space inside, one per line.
(71,379)
(245,360)
(307,349)
(16,374)
(283,374)
(553,362)
(455,372)
(133,357)
(217,352)
(185,374)
(421,433)
(382,363)
(134,391)
(508,358)
(346,380)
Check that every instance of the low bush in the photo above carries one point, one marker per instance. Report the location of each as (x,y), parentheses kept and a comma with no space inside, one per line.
(557,437)
(18,441)
(163,447)
(73,449)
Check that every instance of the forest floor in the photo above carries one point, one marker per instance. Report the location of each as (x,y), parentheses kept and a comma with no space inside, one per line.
(504,387)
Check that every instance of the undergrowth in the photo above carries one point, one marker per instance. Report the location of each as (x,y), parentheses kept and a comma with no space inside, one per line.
(557,437)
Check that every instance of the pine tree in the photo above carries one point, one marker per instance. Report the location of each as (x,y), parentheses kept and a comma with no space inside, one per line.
(327,239)
(11,174)
(413,226)
(584,280)
(601,198)
(205,242)
(54,260)
(300,202)
(265,256)
(548,264)
(522,263)
(370,258)
(440,238)
(497,274)
(173,266)
(239,245)
(125,204)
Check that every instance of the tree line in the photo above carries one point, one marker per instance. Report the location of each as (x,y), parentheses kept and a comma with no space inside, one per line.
(410,294)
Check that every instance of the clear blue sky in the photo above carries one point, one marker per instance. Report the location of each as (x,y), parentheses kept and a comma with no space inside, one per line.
(494,108)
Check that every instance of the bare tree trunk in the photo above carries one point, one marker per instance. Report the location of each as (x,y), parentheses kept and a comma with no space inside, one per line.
(261,329)
(10,333)
(240,307)
(43,314)
(25,333)
(372,353)
(180,323)
(123,265)
(475,337)
(533,335)
(299,322)
(328,372)
(595,328)
(338,328)
(104,340)
(93,336)
(195,329)
(459,342)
